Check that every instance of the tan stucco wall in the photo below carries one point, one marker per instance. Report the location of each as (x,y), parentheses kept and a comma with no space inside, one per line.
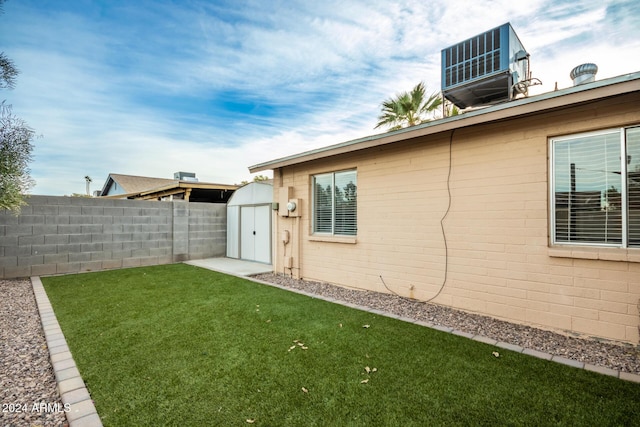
(499,260)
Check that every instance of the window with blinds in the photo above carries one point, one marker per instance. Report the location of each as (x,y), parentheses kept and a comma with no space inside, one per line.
(335,203)
(596,188)
(633,185)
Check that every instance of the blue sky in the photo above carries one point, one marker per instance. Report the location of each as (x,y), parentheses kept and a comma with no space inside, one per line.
(154,87)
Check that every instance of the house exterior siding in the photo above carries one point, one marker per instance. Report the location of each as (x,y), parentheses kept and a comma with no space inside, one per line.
(495,251)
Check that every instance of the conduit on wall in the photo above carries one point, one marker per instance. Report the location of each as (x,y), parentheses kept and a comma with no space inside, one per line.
(444,234)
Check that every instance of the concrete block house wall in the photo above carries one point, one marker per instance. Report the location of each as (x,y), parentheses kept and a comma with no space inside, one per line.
(499,258)
(57,235)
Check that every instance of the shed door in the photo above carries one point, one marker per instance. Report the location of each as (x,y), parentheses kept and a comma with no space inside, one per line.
(255,233)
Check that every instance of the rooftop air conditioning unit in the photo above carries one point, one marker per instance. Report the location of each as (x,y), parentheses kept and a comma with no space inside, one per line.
(488,68)
(185,176)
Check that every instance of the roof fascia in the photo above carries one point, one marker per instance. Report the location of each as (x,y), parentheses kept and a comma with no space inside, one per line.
(190,185)
(120,196)
(108,183)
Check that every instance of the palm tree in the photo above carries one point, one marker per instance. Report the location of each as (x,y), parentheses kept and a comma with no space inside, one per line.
(408,108)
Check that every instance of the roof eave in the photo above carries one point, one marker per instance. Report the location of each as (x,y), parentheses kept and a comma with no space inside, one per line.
(190,185)
(119,196)
(526,106)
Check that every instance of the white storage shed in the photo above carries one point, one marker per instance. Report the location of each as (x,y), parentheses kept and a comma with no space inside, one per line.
(249,231)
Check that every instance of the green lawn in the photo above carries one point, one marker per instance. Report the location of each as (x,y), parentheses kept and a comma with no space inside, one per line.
(179,345)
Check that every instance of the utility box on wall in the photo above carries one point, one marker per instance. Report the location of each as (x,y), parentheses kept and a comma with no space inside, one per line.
(484,69)
(285,194)
(287,262)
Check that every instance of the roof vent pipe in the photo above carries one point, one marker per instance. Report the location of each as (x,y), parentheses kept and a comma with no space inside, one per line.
(585,73)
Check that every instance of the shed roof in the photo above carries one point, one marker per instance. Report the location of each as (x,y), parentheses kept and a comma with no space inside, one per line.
(253,193)
(545,102)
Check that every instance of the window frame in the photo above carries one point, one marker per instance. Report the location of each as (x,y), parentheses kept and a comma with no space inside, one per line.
(624,202)
(333,233)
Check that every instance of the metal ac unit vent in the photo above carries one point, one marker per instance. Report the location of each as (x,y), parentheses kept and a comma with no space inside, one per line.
(484,69)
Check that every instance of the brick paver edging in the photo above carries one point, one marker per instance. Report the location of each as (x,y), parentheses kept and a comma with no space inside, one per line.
(82,412)
(558,359)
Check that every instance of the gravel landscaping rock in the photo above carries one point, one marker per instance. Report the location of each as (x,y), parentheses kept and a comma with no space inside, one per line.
(621,357)
(28,391)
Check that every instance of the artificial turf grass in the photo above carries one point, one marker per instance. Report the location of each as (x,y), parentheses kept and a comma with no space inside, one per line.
(180,345)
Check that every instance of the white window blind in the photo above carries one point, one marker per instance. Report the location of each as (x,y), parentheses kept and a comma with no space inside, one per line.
(633,185)
(596,196)
(345,194)
(335,203)
(323,204)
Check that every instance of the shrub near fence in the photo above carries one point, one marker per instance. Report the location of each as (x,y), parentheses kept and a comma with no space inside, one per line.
(57,235)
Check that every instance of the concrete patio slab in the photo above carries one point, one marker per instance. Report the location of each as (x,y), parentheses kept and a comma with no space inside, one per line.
(236,267)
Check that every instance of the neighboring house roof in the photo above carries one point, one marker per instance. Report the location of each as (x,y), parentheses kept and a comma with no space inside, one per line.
(124,184)
(120,186)
(545,102)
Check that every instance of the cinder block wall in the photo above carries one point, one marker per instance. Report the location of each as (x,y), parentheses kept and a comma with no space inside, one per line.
(56,235)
